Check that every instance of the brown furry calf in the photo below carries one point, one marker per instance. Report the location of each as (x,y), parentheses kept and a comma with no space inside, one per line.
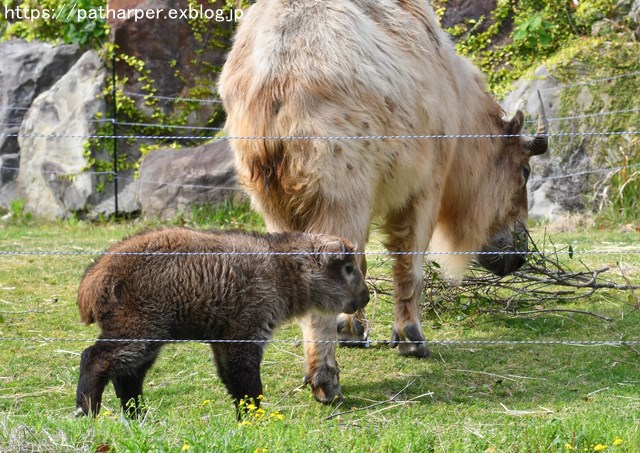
(219,286)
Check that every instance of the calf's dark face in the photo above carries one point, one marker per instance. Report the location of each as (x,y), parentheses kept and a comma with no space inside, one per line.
(352,280)
(341,287)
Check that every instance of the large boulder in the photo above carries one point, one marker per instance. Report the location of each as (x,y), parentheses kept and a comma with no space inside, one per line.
(164,64)
(548,197)
(27,70)
(52,139)
(635,13)
(178,54)
(171,181)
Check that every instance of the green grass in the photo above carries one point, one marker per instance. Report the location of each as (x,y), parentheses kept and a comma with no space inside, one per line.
(493,398)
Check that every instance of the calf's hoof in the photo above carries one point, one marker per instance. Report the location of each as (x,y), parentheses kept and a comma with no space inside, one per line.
(411,342)
(80,412)
(325,385)
(351,332)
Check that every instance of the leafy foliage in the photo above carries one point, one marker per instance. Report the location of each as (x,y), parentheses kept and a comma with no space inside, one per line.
(56,22)
(534,29)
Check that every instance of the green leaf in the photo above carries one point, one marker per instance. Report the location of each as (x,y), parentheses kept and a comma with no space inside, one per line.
(535,22)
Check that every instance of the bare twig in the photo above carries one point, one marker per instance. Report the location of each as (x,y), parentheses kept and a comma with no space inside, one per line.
(379,403)
(634,296)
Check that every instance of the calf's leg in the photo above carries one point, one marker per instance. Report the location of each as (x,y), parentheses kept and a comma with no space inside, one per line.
(128,386)
(94,375)
(238,366)
(124,363)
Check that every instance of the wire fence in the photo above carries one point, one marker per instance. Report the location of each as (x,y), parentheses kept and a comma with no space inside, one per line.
(363,343)
(217,137)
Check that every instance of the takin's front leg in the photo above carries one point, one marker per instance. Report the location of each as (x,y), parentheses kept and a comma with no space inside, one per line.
(407,330)
(409,230)
(322,373)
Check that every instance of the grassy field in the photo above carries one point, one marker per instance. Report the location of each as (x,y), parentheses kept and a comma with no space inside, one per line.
(484,398)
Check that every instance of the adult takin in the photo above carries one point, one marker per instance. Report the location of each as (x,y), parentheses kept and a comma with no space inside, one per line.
(345,112)
(181,284)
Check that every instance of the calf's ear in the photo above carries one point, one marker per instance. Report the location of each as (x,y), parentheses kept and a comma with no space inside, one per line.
(332,248)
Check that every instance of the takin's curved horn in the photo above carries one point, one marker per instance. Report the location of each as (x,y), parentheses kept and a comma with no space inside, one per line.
(540,143)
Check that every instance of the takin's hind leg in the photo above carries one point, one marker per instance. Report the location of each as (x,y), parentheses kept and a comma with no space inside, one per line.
(95,364)
(409,230)
(238,366)
(128,386)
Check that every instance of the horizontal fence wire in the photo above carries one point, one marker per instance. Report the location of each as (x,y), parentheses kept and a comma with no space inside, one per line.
(592,81)
(364,343)
(211,128)
(214,138)
(209,186)
(174,98)
(218,100)
(570,253)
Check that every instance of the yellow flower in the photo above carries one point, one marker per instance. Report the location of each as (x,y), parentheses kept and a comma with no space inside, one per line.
(568,446)
(617,441)
(260,450)
(277,415)
(186,446)
(251,407)
(205,402)
(600,447)
(244,423)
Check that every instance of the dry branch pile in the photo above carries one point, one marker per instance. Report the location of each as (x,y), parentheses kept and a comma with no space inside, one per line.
(542,285)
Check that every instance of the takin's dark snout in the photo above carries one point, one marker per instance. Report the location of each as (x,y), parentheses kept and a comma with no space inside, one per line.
(181,284)
(506,253)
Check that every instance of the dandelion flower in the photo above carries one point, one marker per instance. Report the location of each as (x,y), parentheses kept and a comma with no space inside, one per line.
(600,447)
(568,446)
(617,441)
(186,446)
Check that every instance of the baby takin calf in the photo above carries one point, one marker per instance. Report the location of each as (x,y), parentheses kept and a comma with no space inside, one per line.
(180,284)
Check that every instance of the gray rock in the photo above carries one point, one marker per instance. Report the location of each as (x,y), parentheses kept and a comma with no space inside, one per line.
(46,161)
(170,181)
(127,198)
(525,95)
(28,69)
(8,167)
(635,13)
(542,200)
(8,173)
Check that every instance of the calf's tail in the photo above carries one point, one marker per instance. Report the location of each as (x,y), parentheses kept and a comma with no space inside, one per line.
(91,289)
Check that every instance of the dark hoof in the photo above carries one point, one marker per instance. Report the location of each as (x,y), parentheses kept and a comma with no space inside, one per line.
(351,332)
(325,385)
(411,343)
